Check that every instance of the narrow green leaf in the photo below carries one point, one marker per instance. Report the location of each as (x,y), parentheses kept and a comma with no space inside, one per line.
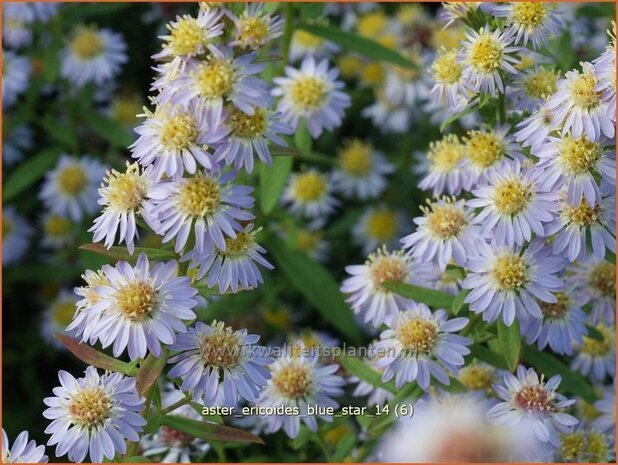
(594,333)
(40,273)
(109,130)
(279,151)
(509,341)
(433,298)
(318,286)
(149,371)
(303,139)
(58,133)
(272,182)
(455,117)
(154,423)
(345,446)
(549,365)
(358,44)
(303,437)
(29,172)
(365,373)
(310,11)
(120,253)
(459,303)
(209,431)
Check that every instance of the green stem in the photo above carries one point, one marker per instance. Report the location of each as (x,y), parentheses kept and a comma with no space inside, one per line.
(174,406)
(287,34)
(319,440)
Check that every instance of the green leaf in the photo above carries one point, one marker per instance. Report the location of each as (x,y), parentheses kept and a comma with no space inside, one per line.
(455,117)
(303,437)
(109,130)
(280,151)
(209,431)
(594,333)
(302,139)
(120,253)
(309,11)
(509,341)
(365,373)
(436,299)
(458,302)
(549,365)
(272,182)
(318,286)
(483,354)
(93,357)
(58,133)
(358,44)
(29,172)
(345,446)
(40,273)
(149,371)
(154,423)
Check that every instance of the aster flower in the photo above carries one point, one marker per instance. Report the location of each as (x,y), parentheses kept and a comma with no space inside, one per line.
(175,140)
(534,130)
(57,316)
(514,204)
(249,134)
(582,445)
(23,451)
(122,199)
(485,55)
(418,345)
(533,402)
(310,195)
(254,28)
(444,232)
(405,85)
(478,376)
(217,362)
(388,116)
(530,21)
(578,107)
(298,382)
(606,421)
(594,283)
(92,55)
(93,415)
(209,204)
(376,227)
(15,142)
(362,171)
(304,44)
(16,71)
(375,395)
(456,11)
(562,325)
(234,268)
(605,68)
(70,189)
(576,162)
(312,243)
(139,308)
(443,166)
(533,88)
(312,93)
(447,74)
(597,358)
(57,230)
(366,294)
(505,281)
(85,318)
(16,20)
(16,235)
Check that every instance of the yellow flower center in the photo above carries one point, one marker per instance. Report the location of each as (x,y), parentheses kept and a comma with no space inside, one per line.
(485,54)
(599,348)
(348,65)
(309,187)
(239,245)
(603,278)
(583,91)
(477,377)
(388,41)
(356,159)
(534,398)
(556,310)
(221,348)
(308,93)
(483,149)
(510,272)
(386,267)
(578,156)
(187,36)
(590,446)
(57,226)
(371,24)
(62,313)
(199,196)
(417,336)
(541,84)
(307,241)
(253,32)
(372,74)
(72,180)
(90,407)
(444,155)
(307,40)
(137,300)
(126,190)
(246,126)
(529,14)
(215,78)
(86,42)
(179,131)
(126,109)
(445,221)
(511,197)
(293,380)
(583,215)
(448,38)
(446,69)
(382,225)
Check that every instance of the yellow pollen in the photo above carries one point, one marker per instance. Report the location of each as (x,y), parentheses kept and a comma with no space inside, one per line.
(252,32)
(371,24)
(137,300)
(578,156)
(583,91)
(307,241)
(444,220)
(239,245)
(62,313)
(179,131)
(90,407)
(448,38)
(382,225)
(534,398)
(583,215)
(510,272)
(85,42)
(446,69)
(525,61)
(309,187)
(511,197)
(308,93)
(571,446)
(541,84)
(221,348)
(246,126)
(293,380)
(56,225)
(126,190)
(199,196)
(598,348)
(417,336)
(477,377)
(215,78)
(72,180)
(356,159)
(555,310)
(529,14)
(348,65)
(485,54)
(187,37)
(307,40)
(483,149)
(372,74)
(444,155)
(603,278)
(386,267)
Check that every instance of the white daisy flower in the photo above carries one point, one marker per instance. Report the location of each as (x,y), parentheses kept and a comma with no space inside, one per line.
(597,358)
(606,422)
(376,227)
(57,316)
(312,243)
(254,28)
(16,235)
(57,230)
(92,55)
(594,282)
(405,85)
(70,189)
(447,74)
(388,116)
(534,130)
(85,319)
(533,87)
(304,44)
(16,24)
(530,21)
(457,11)
(312,93)
(16,71)
(23,451)
(310,195)
(443,166)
